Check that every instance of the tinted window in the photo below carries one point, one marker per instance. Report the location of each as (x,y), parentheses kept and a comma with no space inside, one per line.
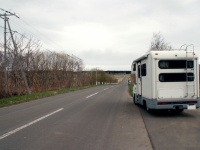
(175,64)
(143,70)
(134,67)
(176,77)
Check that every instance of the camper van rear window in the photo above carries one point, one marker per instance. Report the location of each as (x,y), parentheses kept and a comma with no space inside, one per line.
(175,64)
(176,77)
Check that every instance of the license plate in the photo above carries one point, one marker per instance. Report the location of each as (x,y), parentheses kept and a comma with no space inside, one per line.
(191,107)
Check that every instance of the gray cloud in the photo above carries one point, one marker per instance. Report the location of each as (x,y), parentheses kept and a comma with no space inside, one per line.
(108,33)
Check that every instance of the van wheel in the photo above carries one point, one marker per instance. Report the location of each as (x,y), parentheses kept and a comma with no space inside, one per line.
(178,111)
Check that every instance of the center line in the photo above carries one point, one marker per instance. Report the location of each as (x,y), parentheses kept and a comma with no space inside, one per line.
(29,124)
(92,95)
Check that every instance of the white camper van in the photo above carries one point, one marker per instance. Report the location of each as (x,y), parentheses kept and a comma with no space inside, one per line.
(167,80)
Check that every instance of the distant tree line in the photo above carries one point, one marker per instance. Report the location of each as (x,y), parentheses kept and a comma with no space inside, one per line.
(44,70)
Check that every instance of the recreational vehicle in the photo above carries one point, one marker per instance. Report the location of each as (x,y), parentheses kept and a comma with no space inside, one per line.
(167,80)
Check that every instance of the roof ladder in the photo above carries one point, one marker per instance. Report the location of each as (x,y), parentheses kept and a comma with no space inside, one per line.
(190,82)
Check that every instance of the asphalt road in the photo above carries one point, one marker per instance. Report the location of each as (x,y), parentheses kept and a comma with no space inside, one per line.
(169,131)
(100,118)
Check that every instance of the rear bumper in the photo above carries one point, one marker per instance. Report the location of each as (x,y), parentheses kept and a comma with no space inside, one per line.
(173,104)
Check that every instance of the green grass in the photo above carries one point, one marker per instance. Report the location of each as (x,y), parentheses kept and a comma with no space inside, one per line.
(130,89)
(25,98)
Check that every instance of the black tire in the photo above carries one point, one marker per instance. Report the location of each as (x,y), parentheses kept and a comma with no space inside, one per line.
(177,111)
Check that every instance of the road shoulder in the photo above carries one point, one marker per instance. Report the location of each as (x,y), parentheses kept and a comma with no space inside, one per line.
(130,128)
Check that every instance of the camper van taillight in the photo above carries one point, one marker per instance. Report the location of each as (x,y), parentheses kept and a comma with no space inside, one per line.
(163,103)
(192,102)
(181,102)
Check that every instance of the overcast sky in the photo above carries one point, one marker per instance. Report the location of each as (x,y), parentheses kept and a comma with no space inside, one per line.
(108,34)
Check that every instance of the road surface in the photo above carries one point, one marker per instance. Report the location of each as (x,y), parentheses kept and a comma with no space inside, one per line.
(169,131)
(99,118)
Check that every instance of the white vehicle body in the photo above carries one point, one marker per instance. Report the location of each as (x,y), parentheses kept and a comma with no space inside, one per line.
(167,80)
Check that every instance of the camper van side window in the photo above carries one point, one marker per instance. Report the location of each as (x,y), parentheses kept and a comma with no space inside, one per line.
(138,71)
(143,70)
(176,77)
(134,67)
(176,64)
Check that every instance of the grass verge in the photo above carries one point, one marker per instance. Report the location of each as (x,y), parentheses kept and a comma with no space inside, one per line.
(130,89)
(25,98)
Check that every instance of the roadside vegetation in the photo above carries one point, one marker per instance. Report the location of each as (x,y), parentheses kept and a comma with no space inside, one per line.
(46,72)
(130,89)
(34,96)
(130,84)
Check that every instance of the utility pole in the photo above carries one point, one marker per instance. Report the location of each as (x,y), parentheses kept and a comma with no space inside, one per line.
(5,62)
(4,16)
(96,76)
(7,13)
(18,58)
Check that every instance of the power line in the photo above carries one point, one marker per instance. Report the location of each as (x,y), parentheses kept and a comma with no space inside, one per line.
(72,56)
(52,43)
(41,35)
(6,22)
(13,14)
(12,30)
(46,40)
(5,16)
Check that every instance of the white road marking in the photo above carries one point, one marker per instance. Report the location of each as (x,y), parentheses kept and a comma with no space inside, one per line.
(29,124)
(105,89)
(92,95)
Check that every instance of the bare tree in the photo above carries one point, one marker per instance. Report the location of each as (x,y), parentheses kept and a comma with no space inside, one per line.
(44,70)
(158,43)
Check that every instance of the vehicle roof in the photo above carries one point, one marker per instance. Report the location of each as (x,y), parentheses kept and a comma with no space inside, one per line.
(168,54)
